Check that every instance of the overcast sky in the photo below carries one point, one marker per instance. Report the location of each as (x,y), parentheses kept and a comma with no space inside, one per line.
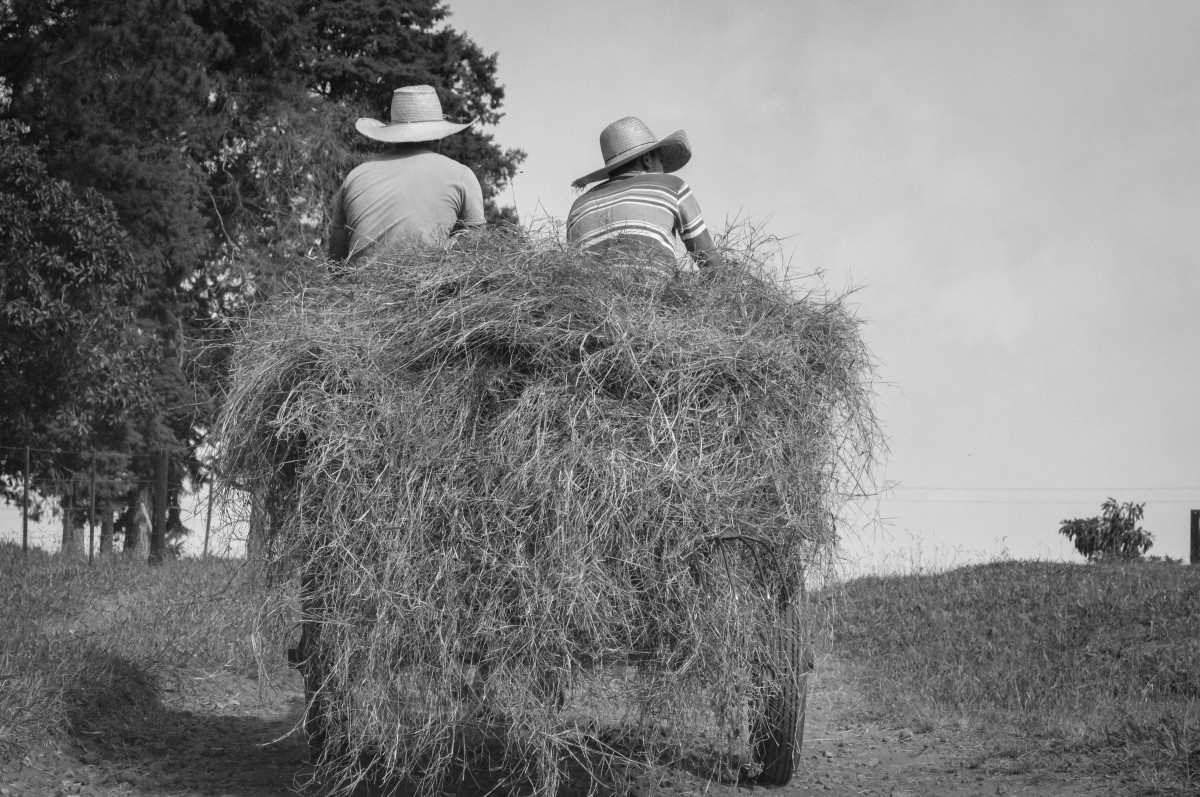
(1013,187)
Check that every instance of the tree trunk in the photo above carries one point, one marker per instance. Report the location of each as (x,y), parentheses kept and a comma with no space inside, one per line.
(137,525)
(158,535)
(73,546)
(106,530)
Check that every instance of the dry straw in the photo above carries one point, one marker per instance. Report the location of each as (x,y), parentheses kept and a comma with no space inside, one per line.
(500,468)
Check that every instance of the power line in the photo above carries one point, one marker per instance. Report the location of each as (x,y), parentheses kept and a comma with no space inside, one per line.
(1065,501)
(1040,489)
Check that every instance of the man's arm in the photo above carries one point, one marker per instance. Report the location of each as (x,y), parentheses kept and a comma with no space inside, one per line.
(471,213)
(339,243)
(696,237)
(339,237)
(704,251)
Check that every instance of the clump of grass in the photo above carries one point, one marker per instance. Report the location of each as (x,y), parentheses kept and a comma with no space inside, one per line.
(505,465)
(1099,658)
(88,646)
(30,704)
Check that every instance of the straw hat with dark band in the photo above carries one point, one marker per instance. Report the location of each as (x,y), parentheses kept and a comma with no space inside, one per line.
(626,139)
(416,116)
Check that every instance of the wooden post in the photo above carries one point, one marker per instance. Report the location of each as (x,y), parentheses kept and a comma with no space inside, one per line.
(1196,536)
(158,533)
(25,505)
(208,518)
(92,512)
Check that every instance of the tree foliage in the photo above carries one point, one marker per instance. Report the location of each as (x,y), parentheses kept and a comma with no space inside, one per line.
(119,92)
(76,366)
(1114,534)
(186,153)
(73,358)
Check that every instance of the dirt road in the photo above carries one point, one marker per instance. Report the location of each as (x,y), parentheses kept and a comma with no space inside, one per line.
(220,738)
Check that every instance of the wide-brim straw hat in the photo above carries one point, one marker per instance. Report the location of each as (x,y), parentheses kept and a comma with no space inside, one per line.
(627,139)
(416,116)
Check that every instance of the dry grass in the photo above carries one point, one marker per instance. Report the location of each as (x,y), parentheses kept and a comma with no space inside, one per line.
(501,469)
(1102,660)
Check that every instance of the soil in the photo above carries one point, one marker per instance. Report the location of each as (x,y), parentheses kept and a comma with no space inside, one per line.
(226,737)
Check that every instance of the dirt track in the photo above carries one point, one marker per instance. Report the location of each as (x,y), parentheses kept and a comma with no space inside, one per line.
(220,738)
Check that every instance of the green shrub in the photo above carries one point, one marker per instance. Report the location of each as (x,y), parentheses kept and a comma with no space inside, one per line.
(1114,534)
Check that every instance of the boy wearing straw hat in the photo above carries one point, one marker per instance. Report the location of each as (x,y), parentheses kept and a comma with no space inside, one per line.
(410,192)
(640,204)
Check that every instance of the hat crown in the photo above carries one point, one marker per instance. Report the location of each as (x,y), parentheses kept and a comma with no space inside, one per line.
(622,136)
(416,104)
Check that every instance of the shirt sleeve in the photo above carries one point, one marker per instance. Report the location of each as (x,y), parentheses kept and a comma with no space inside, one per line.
(691,220)
(471,212)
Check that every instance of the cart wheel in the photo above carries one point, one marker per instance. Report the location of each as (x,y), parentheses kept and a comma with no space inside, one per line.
(779,726)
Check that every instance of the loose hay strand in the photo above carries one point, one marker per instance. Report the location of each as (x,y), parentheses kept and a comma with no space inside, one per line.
(499,468)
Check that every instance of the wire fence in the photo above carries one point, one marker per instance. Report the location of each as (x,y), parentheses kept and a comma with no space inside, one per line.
(47,481)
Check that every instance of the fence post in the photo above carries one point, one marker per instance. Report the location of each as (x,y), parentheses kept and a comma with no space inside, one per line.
(25,505)
(208,518)
(1195,537)
(158,533)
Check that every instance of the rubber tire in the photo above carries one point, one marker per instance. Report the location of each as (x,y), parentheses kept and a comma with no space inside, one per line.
(779,728)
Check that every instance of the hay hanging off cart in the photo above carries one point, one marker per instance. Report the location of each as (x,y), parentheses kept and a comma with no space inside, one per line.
(547,509)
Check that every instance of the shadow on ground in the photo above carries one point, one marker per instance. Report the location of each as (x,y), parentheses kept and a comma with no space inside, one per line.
(225,734)
(198,734)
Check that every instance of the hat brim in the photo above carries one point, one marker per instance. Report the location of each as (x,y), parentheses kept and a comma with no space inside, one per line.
(406,132)
(676,152)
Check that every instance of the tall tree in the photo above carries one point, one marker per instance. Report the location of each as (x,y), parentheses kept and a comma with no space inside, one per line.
(119,92)
(76,366)
(217,131)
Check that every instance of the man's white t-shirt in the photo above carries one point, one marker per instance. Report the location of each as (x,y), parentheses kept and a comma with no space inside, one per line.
(413,194)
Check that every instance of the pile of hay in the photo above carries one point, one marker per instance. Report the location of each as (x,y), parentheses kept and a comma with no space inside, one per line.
(499,469)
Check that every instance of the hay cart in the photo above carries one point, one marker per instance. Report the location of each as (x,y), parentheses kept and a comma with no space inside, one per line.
(780,699)
(507,475)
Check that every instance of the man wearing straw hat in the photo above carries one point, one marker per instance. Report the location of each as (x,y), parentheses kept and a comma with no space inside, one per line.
(640,207)
(410,192)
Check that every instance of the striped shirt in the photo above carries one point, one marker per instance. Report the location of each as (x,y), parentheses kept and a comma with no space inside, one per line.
(643,206)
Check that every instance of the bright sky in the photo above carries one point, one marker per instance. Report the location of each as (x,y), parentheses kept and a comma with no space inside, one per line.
(1014,187)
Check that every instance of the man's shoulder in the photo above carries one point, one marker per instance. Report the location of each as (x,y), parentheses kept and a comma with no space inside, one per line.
(418,162)
(443,163)
(670,180)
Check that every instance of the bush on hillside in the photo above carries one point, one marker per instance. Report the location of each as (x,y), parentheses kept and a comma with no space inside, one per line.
(1114,534)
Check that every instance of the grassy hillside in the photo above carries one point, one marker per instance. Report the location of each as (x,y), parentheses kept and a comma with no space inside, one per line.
(1103,660)
(81,646)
